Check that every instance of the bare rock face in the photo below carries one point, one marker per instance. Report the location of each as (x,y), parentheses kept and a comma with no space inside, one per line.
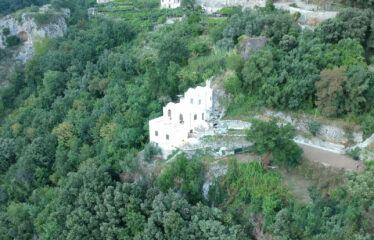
(371,69)
(248,45)
(28,31)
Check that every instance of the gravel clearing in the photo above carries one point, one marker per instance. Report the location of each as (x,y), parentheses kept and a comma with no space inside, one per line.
(331,159)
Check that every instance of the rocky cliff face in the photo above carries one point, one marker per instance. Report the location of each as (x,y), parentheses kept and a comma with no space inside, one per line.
(248,45)
(28,30)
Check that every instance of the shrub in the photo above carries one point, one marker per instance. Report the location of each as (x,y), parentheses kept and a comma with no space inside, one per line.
(369,164)
(1,108)
(185,175)
(6,31)
(12,41)
(269,6)
(34,9)
(229,11)
(234,62)
(215,32)
(44,18)
(200,48)
(2,54)
(232,85)
(354,153)
(150,150)
(194,18)
(367,126)
(225,43)
(372,60)
(161,19)
(314,127)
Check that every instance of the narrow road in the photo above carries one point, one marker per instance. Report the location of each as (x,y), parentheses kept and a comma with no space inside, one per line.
(331,159)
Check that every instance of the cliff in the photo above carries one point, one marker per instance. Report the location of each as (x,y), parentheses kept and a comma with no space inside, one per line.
(28,27)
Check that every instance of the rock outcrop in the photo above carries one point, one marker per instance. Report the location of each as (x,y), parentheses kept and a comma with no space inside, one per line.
(26,28)
(248,45)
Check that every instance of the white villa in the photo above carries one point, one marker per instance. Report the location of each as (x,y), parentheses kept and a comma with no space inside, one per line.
(179,122)
(170,3)
(103,1)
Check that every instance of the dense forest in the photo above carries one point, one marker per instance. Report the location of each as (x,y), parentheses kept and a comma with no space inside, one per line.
(9,6)
(74,118)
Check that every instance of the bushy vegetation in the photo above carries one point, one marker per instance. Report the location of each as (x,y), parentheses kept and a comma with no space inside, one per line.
(296,67)
(271,139)
(314,127)
(12,41)
(150,150)
(185,175)
(9,6)
(246,189)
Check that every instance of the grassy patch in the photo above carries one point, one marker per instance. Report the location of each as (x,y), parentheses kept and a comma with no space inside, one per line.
(309,173)
(249,107)
(297,184)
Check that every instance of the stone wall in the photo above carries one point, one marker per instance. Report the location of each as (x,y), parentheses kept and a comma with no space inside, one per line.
(308,16)
(327,132)
(215,5)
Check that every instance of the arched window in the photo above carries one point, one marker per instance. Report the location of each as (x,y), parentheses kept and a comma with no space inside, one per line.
(195,117)
(169,114)
(156,133)
(191,100)
(167,137)
(202,116)
(199,101)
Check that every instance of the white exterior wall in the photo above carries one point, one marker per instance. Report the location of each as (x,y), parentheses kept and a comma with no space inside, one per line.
(170,3)
(103,1)
(195,108)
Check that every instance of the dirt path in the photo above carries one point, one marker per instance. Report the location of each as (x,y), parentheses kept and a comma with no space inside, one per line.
(331,159)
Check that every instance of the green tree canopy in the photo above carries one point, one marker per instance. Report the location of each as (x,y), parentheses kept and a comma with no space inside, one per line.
(269,138)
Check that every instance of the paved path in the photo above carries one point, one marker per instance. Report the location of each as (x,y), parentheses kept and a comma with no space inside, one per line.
(331,159)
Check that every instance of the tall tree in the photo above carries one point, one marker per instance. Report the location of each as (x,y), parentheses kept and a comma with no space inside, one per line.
(269,138)
(329,90)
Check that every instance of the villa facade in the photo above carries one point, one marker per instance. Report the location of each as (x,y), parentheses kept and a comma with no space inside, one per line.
(180,121)
(170,3)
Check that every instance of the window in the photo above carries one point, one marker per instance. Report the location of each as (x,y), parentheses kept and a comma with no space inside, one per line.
(156,133)
(167,136)
(169,113)
(191,100)
(199,101)
(195,117)
(202,116)
(181,118)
